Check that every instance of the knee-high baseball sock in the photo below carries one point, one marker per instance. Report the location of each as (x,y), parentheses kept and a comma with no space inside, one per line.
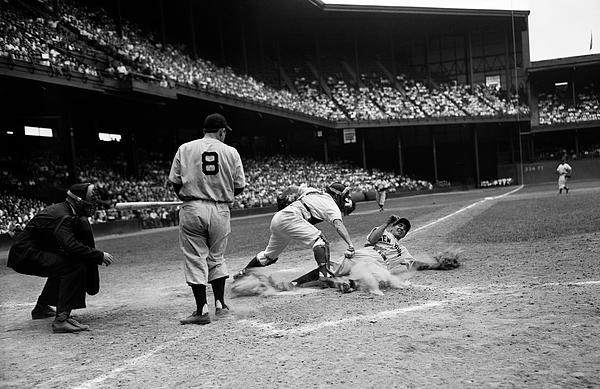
(200,296)
(218,287)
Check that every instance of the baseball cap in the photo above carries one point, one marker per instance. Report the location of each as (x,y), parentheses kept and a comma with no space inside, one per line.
(215,122)
(404,221)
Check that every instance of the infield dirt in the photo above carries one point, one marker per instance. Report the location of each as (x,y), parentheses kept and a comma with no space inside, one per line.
(523,310)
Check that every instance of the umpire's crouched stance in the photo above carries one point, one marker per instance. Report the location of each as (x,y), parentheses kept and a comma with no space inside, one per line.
(58,243)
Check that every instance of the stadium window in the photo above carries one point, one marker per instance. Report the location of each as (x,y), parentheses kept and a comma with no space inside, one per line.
(105,137)
(561,87)
(492,81)
(38,131)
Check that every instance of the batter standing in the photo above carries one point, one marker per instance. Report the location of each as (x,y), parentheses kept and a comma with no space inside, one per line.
(206,175)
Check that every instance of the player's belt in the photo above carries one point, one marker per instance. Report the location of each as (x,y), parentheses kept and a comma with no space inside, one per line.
(189,198)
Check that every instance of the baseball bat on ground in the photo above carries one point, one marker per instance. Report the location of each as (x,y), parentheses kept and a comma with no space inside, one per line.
(145,204)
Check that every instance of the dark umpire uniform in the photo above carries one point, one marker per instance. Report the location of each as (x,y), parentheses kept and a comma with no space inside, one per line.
(58,243)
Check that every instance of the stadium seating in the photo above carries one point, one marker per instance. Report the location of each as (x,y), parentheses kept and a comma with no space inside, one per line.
(85,41)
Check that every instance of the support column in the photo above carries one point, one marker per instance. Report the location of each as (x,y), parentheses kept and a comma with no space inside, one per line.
(435,172)
(399,140)
(364,151)
(161,18)
(476,145)
(325,148)
(243,39)
(192,29)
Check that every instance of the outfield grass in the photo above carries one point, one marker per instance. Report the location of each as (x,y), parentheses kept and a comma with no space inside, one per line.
(534,218)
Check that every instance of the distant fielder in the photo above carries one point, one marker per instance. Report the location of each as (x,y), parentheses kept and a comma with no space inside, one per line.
(564,172)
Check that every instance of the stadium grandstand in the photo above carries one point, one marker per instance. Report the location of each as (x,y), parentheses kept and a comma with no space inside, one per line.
(107,90)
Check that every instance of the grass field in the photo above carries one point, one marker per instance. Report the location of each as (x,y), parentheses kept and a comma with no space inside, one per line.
(521,311)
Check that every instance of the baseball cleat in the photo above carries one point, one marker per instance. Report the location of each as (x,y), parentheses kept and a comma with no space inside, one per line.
(222,311)
(69,325)
(196,319)
(42,312)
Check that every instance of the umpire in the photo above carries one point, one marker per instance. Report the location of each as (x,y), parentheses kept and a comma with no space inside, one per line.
(58,243)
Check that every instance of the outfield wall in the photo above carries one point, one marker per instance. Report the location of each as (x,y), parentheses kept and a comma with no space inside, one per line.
(545,171)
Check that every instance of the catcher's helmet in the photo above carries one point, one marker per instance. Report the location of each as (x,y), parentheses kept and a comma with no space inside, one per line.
(339,192)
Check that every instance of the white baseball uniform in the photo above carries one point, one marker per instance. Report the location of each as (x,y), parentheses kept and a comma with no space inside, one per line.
(294,221)
(387,252)
(380,192)
(209,170)
(563,170)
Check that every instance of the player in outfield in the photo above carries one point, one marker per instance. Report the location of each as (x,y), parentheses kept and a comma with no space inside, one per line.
(58,243)
(301,207)
(381,187)
(206,175)
(564,172)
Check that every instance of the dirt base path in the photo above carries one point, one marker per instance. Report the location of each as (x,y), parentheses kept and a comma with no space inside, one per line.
(516,314)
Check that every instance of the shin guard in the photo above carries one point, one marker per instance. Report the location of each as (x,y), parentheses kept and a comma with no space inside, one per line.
(321,251)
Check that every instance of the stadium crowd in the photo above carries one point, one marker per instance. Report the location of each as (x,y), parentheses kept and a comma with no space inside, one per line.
(265,176)
(35,35)
(62,43)
(557,108)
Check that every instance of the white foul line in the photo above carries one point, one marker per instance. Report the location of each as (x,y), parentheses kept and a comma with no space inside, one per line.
(465,208)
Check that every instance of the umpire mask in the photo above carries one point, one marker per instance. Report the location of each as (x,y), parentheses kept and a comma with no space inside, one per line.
(85,198)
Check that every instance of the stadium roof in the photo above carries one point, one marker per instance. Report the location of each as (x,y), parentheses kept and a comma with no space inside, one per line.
(563,63)
(378,8)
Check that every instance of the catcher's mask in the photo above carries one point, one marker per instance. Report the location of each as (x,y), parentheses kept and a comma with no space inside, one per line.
(340,194)
(85,197)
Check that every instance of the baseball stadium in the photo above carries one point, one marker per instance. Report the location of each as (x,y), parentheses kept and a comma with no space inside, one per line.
(444,105)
